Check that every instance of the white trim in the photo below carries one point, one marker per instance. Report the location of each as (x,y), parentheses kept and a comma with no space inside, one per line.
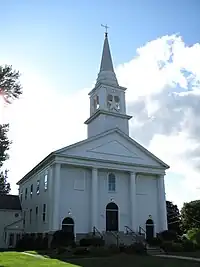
(103,164)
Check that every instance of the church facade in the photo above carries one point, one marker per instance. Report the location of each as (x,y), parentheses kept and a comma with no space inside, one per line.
(108,181)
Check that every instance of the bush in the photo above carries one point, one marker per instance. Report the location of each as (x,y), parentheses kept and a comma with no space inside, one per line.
(81,251)
(100,251)
(155,241)
(114,249)
(188,246)
(27,242)
(62,238)
(170,246)
(194,235)
(167,235)
(92,241)
(136,248)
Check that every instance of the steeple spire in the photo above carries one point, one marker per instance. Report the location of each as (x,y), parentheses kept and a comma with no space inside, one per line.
(106,73)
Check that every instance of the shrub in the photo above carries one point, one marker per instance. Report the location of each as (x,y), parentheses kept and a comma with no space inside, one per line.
(27,242)
(81,251)
(136,248)
(171,246)
(92,241)
(194,235)
(167,235)
(62,238)
(114,249)
(100,251)
(188,246)
(155,241)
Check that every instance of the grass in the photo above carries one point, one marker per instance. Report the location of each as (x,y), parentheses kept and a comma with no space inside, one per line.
(16,259)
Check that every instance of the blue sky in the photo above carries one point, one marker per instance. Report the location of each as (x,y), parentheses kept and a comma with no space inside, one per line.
(66,35)
(57,46)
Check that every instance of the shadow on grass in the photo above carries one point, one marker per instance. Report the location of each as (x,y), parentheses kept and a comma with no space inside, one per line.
(119,260)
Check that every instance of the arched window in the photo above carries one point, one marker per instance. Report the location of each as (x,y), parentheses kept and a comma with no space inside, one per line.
(111,182)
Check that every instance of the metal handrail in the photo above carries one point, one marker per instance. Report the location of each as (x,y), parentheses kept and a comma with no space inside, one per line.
(128,229)
(95,230)
(140,228)
(116,235)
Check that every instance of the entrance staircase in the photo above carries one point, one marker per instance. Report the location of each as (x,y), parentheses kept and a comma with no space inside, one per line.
(152,251)
(126,237)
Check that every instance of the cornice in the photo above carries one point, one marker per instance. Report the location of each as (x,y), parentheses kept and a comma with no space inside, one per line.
(107,164)
(105,112)
(106,85)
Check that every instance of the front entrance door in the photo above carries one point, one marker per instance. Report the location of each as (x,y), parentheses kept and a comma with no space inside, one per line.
(149,230)
(68,225)
(112,217)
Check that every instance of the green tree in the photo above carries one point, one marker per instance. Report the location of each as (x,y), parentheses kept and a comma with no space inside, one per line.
(190,214)
(173,217)
(4,185)
(4,143)
(10,89)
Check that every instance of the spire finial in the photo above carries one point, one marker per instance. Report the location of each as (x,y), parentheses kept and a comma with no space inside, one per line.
(106,29)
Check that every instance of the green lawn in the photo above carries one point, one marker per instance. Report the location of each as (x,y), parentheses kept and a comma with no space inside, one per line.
(15,259)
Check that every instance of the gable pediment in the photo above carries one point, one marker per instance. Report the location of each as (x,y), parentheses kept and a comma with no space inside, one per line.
(113,146)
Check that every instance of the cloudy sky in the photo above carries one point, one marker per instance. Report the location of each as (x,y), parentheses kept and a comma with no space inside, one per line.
(57,46)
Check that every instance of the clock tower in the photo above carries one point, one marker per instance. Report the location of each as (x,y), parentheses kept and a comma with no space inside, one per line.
(107,99)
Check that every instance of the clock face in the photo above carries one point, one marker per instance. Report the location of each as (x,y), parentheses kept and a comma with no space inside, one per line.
(113,102)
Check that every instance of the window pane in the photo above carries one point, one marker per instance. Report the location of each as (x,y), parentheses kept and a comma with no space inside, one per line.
(111,182)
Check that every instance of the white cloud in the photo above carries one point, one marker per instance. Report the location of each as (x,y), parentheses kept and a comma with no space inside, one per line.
(163,96)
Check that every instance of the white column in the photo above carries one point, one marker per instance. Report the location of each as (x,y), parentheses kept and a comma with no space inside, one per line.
(50,190)
(94,198)
(133,201)
(162,210)
(56,197)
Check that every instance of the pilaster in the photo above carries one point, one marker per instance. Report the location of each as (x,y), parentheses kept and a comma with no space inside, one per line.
(133,201)
(56,208)
(162,209)
(94,198)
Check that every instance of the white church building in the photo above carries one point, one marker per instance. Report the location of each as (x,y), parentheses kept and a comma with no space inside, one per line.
(107,181)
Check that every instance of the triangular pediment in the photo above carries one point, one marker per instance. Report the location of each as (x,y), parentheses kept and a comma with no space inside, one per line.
(114,146)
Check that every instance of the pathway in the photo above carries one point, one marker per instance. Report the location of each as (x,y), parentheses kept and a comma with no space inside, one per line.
(179,257)
(34,255)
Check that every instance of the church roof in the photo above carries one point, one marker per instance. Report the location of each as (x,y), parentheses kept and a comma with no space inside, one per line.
(51,157)
(10,202)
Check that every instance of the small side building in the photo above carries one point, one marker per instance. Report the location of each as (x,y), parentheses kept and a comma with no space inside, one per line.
(11,221)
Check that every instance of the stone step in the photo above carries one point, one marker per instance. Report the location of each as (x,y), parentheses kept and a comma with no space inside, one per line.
(155,250)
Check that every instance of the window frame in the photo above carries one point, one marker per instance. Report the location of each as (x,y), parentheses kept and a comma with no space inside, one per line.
(46,181)
(30,216)
(44,213)
(31,191)
(108,183)
(38,187)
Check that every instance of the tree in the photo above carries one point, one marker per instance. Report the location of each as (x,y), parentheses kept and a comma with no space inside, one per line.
(10,89)
(173,217)
(190,214)
(4,143)
(4,185)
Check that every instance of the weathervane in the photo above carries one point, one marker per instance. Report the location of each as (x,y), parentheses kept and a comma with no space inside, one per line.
(106,29)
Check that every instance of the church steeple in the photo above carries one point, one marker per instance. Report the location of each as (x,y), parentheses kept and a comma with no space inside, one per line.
(106,73)
(107,99)
(106,60)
